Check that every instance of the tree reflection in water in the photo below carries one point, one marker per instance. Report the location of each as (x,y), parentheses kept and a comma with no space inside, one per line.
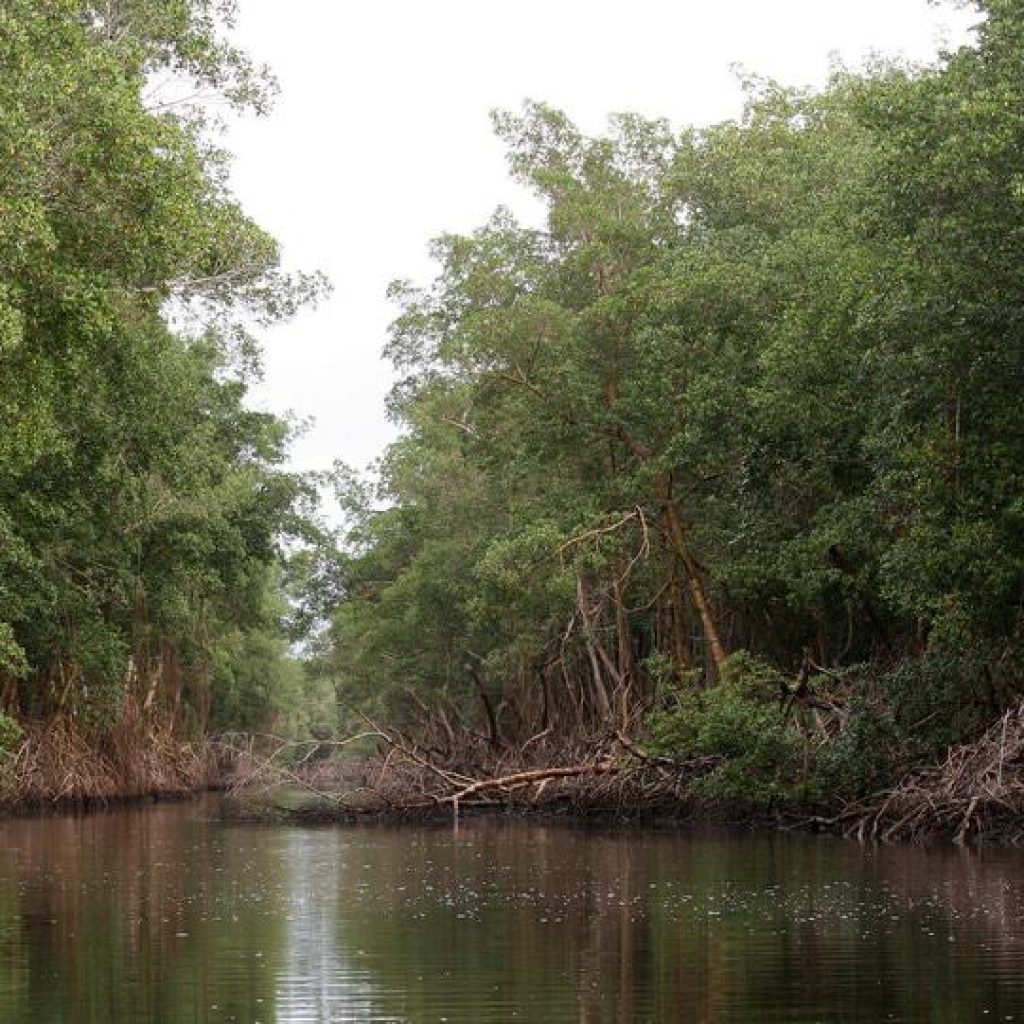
(162,915)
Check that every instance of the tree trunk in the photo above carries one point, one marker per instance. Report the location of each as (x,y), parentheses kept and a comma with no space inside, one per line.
(677,539)
(623,640)
(676,622)
(493,735)
(596,654)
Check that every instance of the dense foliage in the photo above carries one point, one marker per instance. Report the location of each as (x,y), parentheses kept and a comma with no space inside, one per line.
(750,388)
(142,503)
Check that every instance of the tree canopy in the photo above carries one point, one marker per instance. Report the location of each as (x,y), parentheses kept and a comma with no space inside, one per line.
(143,503)
(752,387)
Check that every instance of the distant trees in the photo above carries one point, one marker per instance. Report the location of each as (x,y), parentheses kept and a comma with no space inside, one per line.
(751,387)
(142,503)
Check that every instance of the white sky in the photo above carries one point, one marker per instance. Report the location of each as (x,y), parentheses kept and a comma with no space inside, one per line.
(381,139)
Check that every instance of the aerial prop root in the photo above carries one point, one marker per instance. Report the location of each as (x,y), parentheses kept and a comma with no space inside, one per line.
(977,792)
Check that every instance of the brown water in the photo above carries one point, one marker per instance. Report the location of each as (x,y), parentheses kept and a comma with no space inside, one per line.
(163,915)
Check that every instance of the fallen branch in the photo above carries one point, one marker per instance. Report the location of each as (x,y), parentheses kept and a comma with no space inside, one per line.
(519,779)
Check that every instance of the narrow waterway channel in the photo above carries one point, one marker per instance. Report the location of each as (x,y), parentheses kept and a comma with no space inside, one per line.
(164,914)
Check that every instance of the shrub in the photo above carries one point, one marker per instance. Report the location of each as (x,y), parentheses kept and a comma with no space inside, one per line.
(10,739)
(740,720)
(863,758)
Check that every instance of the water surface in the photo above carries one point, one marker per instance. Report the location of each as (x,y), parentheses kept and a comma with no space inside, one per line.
(164,915)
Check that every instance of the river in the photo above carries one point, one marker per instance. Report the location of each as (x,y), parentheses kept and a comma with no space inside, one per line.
(165,914)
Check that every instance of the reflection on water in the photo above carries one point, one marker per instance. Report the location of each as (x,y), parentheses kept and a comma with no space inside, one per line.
(162,914)
(318,980)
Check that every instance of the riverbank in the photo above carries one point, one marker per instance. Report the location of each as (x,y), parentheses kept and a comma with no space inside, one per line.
(974,797)
(306,808)
(62,763)
(870,821)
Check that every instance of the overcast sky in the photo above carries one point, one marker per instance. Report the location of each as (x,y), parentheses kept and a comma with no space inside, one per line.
(381,138)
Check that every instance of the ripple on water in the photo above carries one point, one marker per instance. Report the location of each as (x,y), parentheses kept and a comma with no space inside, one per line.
(163,915)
